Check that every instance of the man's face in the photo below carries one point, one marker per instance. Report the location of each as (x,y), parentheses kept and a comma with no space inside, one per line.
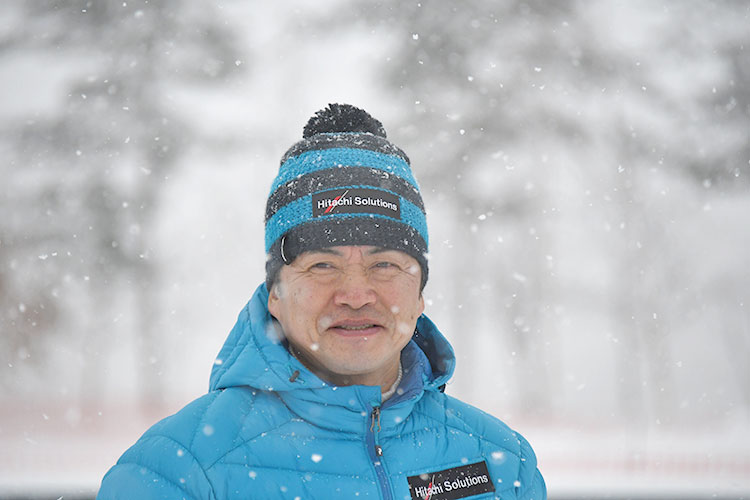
(348,311)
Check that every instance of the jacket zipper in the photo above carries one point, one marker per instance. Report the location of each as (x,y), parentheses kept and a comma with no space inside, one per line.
(376,453)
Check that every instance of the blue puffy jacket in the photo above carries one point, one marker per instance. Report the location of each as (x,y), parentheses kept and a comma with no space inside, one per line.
(271,429)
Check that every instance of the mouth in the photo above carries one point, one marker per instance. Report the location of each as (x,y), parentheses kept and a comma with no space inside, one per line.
(358,328)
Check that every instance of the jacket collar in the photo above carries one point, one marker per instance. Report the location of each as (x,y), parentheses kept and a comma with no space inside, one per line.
(254,355)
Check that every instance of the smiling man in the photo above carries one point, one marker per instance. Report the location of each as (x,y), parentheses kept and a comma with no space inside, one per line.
(348,311)
(330,385)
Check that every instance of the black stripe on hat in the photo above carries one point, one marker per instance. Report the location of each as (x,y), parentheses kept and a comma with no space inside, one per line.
(325,233)
(355,141)
(332,178)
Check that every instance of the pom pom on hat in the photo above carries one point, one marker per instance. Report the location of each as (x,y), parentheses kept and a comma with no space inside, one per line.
(338,118)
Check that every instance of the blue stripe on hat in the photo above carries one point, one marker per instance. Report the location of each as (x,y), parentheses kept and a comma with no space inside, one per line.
(299,212)
(312,161)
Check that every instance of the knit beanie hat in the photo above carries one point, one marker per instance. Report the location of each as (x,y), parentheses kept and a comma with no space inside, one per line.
(344,183)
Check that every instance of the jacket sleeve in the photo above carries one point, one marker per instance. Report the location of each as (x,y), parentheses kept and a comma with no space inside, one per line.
(156,468)
(531,485)
(536,491)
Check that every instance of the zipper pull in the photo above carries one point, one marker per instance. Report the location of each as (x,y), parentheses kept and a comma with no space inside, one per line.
(375,419)
(375,428)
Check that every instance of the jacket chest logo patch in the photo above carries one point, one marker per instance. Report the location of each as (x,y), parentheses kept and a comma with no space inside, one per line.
(356,201)
(451,484)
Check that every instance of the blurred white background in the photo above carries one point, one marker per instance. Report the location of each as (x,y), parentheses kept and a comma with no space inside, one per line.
(585,166)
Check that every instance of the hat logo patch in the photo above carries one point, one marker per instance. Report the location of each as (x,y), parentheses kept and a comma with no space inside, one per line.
(356,201)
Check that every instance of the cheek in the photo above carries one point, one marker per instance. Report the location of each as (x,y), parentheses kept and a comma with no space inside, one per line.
(406,315)
(299,299)
(306,305)
(404,327)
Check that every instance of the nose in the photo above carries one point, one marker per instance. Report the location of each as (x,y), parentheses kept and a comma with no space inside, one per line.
(355,290)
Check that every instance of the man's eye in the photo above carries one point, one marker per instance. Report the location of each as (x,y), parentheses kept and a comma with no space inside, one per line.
(321,265)
(385,265)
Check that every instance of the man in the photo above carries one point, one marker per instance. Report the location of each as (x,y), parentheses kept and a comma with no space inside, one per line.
(330,385)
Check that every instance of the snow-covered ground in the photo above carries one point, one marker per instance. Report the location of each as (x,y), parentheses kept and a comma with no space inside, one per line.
(661,463)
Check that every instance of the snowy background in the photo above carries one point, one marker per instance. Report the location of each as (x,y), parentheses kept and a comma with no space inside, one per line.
(585,166)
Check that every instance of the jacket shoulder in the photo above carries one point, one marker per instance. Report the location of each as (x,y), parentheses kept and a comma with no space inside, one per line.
(208,426)
(505,450)
(172,458)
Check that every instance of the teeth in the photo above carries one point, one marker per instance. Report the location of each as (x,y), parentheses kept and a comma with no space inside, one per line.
(361,327)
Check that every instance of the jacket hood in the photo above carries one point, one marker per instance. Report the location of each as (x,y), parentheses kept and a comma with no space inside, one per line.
(254,355)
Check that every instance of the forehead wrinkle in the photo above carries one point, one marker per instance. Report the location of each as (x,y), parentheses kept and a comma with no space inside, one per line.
(379,250)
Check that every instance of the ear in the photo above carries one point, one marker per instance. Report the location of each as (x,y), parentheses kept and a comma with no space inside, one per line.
(421,305)
(273,301)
